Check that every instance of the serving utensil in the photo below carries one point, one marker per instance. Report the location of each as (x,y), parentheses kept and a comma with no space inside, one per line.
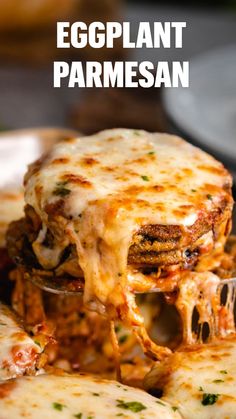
(76,286)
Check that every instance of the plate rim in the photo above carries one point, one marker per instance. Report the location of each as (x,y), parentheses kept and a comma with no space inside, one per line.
(193,132)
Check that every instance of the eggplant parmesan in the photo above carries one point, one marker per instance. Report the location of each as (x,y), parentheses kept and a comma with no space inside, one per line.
(82,337)
(123,212)
(78,396)
(19,353)
(199,380)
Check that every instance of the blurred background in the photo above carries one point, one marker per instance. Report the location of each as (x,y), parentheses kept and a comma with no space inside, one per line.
(205,113)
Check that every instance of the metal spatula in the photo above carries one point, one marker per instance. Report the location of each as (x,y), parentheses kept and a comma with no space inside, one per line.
(76,286)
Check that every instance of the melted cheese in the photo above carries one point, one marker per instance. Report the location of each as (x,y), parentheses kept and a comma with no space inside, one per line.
(108,165)
(202,291)
(111,184)
(71,396)
(19,354)
(197,376)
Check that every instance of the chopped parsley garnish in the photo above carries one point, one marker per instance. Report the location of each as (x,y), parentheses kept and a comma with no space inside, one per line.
(90,417)
(96,394)
(159,402)
(58,406)
(200,388)
(145,178)
(193,190)
(209,399)
(123,338)
(60,190)
(137,133)
(62,183)
(132,406)
(174,408)
(78,416)
(37,343)
(117,328)
(223,372)
(209,196)
(218,381)
(151,153)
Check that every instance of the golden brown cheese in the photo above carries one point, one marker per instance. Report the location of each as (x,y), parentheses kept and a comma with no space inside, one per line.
(19,353)
(202,292)
(200,380)
(85,200)
(78,396)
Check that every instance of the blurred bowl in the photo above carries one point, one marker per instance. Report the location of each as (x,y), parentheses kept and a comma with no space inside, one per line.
(30,15)
(206,111)
(28,29)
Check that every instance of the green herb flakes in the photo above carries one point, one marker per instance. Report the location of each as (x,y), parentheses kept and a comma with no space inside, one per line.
(58,406)
(96,394)
(117,328)
(223,372)
(209,196)
(209,399)
(200,388)
(60,189)
(151,153)
(132,406)
(161,403)
(174,408)
(218,381)
(78,416)
(123,338)
(145,178)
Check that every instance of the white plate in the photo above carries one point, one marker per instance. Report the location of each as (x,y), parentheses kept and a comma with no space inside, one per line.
(206,111)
